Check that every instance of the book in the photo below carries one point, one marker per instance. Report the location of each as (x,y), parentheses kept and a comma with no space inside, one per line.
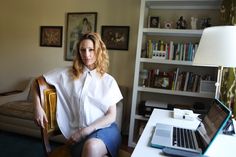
(171,50)
(186,81)
(176,78)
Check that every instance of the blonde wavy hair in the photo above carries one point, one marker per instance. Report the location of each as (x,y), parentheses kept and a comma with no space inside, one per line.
(102,58)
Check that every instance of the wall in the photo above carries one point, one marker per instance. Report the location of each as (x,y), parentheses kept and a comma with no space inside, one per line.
(21,56)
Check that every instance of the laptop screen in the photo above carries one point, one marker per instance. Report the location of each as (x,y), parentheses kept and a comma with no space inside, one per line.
(212,123)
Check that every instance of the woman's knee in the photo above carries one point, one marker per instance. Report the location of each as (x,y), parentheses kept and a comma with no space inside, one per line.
(95,147)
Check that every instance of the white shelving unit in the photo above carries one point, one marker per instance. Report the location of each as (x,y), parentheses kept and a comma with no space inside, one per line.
(168,10)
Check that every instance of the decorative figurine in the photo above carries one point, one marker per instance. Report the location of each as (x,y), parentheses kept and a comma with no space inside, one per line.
(205,22)
(194,23)
(181,23)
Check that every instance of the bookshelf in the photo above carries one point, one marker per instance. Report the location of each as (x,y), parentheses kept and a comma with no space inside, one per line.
(152,69)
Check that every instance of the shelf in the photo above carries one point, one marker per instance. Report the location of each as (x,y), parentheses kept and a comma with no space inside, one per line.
(168,9)
(183,4)
(140,117)
(164,61)
(175,92)
(173,32)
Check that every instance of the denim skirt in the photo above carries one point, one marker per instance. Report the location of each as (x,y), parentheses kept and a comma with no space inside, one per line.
(110,136)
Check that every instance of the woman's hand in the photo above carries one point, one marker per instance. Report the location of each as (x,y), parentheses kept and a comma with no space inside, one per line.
(80,134)
(40,117)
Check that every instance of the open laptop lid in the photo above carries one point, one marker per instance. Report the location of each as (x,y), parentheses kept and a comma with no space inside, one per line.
(212,124)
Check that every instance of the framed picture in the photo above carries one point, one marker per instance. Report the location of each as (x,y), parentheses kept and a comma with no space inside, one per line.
(153,22)
(116,37)
(77,25)
(163,80)
(51,36)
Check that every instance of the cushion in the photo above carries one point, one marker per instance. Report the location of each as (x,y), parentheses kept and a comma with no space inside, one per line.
(18,109)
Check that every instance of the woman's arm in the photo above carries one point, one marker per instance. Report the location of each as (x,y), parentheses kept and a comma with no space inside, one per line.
(40,117)
(108,118)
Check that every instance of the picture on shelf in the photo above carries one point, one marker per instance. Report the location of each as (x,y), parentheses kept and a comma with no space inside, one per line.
(163,80)
(154,22)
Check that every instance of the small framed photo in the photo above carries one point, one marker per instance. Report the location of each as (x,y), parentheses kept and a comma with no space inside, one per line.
(163,80)
(116,37)
(78,24)
(154,22)
(51,36)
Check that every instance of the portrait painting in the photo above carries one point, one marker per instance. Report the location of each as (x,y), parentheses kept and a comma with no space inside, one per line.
(78,24)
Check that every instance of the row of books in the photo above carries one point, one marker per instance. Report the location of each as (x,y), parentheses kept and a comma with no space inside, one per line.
(171,51)
(174,80)
(186,81)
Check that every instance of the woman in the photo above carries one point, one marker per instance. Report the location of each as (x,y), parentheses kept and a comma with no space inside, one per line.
(86,102)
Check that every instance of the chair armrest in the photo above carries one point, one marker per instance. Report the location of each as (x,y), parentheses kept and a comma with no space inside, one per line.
(16,95)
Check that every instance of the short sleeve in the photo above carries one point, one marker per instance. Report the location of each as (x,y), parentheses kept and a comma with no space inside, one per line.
(113,94)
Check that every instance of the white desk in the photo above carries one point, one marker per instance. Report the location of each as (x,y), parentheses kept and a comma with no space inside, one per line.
(223,145)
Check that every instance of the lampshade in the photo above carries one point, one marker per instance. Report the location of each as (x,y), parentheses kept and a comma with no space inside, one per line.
(217,47)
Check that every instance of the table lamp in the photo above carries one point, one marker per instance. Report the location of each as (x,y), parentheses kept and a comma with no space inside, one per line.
(217,47)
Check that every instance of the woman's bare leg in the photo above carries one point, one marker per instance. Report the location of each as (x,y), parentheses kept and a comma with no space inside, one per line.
(94,148)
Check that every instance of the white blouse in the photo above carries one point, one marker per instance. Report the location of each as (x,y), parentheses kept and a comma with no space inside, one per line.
(80,102)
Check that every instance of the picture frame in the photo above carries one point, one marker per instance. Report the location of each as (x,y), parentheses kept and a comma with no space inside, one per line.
(78,23)
(51,36)
(154,22)
(163,80)
(116,37)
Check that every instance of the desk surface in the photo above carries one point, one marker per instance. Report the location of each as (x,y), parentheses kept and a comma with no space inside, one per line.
(222,146)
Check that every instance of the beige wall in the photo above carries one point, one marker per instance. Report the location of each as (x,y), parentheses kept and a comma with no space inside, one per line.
(21,56)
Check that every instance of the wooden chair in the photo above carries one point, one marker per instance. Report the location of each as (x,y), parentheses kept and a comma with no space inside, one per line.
(48,99)
(47,94)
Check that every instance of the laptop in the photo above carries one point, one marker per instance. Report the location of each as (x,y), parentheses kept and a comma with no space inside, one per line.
(199,140)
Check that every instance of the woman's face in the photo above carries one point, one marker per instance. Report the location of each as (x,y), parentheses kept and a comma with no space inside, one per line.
(87,53)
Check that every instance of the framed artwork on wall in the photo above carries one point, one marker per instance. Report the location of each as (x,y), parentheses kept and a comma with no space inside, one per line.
(51,36)
(77,25)
(116,37)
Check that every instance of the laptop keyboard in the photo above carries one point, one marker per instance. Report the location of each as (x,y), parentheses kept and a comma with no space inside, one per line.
(183,138)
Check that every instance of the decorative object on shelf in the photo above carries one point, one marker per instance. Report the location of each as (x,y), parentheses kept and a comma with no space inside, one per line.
(143,76)
(217,48)
(77,25)
(163,80)
(154,22)
(205,22)
(116,37)
(51,36)
(181,23)
(168,24)
(193,22)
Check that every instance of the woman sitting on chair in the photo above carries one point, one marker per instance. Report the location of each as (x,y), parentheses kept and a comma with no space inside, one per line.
(86,101)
